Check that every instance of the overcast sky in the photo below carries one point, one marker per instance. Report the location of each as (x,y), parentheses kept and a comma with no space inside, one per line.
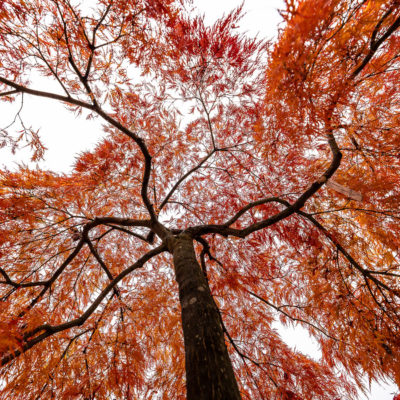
(65,136)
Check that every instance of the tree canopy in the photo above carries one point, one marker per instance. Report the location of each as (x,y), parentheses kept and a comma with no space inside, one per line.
(241,182)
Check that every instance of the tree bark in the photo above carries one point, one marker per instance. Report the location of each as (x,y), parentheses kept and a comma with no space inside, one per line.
(209,372)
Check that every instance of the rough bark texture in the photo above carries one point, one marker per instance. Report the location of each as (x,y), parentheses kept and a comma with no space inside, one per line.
(209,372)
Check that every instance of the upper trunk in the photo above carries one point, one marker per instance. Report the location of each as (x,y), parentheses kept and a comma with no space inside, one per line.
(209,372)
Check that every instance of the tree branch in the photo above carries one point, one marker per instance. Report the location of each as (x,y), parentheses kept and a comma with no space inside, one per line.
(49,95)
(250,206)
(49,330)
(9,93)
(97,221)
(353,262)
(375,44)
(183,177)
(101,262)
(290,209)
(96,108)
(291,317)
(127,231)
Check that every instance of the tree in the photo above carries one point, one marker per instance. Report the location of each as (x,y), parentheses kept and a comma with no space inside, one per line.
(240,182)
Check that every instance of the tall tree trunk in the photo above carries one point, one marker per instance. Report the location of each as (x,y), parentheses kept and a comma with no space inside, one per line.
(209,372)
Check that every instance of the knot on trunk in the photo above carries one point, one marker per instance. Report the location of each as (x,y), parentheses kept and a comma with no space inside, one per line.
(173,240)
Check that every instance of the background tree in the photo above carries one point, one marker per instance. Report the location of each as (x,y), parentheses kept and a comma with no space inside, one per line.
(239,183)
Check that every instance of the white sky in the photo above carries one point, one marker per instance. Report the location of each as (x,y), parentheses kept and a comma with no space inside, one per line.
(65,136)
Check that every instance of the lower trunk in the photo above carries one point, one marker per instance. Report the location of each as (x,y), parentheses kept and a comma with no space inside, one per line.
(209,372)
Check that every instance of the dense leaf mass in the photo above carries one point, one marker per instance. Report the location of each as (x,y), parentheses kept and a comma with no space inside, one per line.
(279,161)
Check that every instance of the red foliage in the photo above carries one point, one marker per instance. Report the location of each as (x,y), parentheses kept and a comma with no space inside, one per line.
(280,162)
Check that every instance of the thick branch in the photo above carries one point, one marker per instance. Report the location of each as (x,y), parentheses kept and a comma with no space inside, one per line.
(49,95)
(96,108)
(97,221)
(147,158)
(225,230)
(49,330)
(375,44)
(9,281)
